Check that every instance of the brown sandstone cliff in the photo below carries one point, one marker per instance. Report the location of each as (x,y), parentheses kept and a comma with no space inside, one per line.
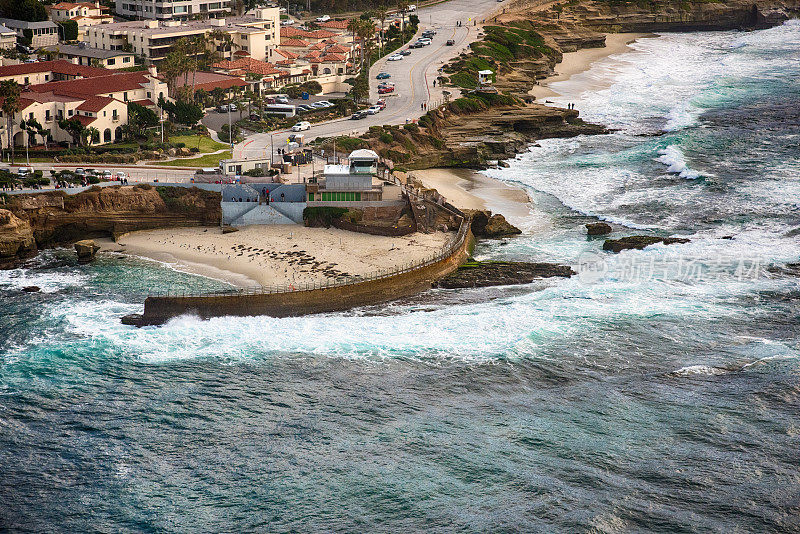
(53,218)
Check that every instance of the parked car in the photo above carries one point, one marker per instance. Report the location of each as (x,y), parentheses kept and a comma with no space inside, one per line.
(325,103)
(383,76)
(373,110)
(254,117)
(416,45)
(107,175)
(381,103)
(405,52)
(358,115)
(222,109)
(121,176)
(24,171)
(324,18)
(233,107)
(395,57)
(318,105)
(450,42)
(281,99)
(385,90)
(429,33)
(287,22)
(424,41)
(304,107)
(80,172)
(300,126)
(411,7)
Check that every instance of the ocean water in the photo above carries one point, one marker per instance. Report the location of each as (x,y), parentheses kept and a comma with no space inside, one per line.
(657,391)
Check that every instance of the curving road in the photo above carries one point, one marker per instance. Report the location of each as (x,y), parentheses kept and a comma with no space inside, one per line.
(413,76)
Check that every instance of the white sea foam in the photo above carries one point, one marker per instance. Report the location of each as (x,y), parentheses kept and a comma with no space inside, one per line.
(699,370)
(675,160)
(48,282)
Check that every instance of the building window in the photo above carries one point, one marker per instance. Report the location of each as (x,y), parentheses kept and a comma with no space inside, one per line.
(47,116)
(46,77)
(110,61)
(27,81)
(125,97)
(70,113)
(126,60)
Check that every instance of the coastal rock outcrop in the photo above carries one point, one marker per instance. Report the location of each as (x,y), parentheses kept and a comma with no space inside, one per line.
(599,228)
(487,274)
(17,241)
(33,221)
(486,225)
(639,242)
(86,250)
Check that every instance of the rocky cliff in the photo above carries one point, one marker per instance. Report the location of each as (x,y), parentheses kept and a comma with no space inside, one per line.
(40,220)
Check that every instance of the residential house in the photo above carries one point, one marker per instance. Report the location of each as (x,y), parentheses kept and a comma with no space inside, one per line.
(81,54)
(84,13)
(47,71)
(40,33)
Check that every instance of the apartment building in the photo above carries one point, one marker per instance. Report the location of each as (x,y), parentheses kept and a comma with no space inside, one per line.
(81,54)
(42,33)
(251,35)
(172,9)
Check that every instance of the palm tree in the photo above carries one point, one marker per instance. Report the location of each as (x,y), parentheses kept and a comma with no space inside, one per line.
(382,14)
(9,92)
(402,6)
(352,27)
(366,31)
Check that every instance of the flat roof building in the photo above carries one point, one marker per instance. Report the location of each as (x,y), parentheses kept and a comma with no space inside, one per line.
(44,33)
(253,35)
(80,54)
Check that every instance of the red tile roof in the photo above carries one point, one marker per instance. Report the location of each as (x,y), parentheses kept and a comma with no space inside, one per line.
(294,42)
(146,103)
(286,53)
(336,24)
(320,34)
(112,83)
(59,66)
(208,81)
(83,119)
(95,103)
(68,5)
(288,31)
(248,65)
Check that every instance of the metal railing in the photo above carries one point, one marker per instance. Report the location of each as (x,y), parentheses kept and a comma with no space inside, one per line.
(445,252)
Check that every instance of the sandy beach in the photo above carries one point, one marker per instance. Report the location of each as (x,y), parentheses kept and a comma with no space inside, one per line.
(576,62)
(264,255)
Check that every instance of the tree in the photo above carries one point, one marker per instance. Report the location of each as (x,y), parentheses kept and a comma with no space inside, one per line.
(382,14)
(365,31)
(402,6)
(74,128)
(140,118)
(29,10)
(359,87)
(90,135)
(69,30)
(9,92)
(182,111)
(34,128)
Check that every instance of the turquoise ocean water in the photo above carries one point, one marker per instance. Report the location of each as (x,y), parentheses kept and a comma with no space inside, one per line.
(657,391)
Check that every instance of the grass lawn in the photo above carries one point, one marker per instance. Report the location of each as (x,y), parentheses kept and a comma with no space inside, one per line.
(206,143)
(209,160)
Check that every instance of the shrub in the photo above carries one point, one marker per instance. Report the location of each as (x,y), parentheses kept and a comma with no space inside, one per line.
(413,128)
(386,137)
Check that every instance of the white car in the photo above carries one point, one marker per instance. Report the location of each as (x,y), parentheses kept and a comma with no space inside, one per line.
(107,175)
(300,126)
(281,100)
(411,7)
(318,105)
(395,57)
(325,103)
(424,40)
(324,18)
(121,176)
(374,110)
(287,22)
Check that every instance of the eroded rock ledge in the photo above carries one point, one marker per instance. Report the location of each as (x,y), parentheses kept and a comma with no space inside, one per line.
(499,273)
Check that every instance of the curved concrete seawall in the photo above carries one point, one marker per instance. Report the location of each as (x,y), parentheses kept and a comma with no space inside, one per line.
(160,309)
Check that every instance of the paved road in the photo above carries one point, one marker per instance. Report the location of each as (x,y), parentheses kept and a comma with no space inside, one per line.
(413,76)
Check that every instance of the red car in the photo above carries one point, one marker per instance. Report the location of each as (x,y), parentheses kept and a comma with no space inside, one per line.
(384,90)
(381,103)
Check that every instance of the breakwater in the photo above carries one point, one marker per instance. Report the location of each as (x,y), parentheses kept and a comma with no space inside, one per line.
(291,300)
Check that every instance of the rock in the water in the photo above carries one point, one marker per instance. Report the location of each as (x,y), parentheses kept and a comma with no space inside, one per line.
(229,229)
(599,228)
(86,250)
(484,224)
(639,242)
(486,274)
(134,319)
(31,289)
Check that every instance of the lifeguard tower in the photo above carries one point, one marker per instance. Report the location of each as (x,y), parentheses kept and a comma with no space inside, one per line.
(485,78)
